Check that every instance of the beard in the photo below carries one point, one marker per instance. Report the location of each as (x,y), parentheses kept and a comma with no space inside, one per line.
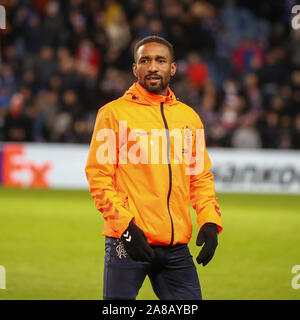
(157,88)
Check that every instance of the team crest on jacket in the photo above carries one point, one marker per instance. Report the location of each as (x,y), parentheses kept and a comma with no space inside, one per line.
(188,138)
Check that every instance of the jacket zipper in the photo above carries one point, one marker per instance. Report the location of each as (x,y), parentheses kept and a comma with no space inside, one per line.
(170,170)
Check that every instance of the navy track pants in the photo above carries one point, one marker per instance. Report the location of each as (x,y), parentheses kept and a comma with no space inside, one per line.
(173,274)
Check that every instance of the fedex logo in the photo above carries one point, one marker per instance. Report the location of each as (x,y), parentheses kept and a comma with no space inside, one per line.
(17,171)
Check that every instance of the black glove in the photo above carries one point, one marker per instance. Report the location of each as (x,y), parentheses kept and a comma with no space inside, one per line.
(208,235)
(136,244)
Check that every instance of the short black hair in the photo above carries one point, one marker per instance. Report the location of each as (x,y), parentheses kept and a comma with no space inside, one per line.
(156,39)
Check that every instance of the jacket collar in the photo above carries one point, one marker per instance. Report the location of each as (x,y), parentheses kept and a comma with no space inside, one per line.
(136,93)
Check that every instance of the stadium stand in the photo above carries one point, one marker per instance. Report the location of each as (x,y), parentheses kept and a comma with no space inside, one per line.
(238,66)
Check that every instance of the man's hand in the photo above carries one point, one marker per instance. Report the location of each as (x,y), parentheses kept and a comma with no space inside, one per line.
(136,244)
(208,235)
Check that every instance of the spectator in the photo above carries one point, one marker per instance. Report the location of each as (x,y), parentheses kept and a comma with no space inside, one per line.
(150,9)
(296,133)
(48,108)
(11,58)
(246,135)
(70,103)
(17,125)
(8,81)
(53,25)
(253,93)
(247,55)
(285,132)
(197,70)
(154,27)
(45,66)
(81,131)
(77,28)
(33,36)
(29,80)
(293,49)
(180,41)
(295,88)
(118,32)
(88,58)
(4,98)
(270,131)
(67,74)
(272,73)
(113,85)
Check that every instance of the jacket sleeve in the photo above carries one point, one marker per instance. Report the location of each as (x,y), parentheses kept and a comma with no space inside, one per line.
(100,172)
(202,188)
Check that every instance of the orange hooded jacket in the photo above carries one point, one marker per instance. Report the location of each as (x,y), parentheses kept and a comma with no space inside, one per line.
(126,183)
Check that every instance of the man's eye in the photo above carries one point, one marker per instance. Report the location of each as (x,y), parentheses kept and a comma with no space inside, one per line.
(162,60)
(144,61)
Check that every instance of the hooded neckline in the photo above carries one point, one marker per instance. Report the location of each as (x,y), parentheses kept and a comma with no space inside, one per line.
(136,93)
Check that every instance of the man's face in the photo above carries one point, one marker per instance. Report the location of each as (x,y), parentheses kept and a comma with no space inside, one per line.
(154,67)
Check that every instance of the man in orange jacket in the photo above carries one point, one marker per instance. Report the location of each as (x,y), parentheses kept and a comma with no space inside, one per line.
(147,162)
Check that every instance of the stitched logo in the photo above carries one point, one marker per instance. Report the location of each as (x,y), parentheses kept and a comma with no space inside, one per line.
(121,252)
(127,236)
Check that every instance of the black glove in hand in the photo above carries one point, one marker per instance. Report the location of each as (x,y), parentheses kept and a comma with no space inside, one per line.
(136,244)
(208,235)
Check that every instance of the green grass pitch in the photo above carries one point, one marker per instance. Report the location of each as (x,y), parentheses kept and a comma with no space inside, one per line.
(52,248)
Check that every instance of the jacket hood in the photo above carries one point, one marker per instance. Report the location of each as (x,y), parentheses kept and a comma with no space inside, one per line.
(136,93)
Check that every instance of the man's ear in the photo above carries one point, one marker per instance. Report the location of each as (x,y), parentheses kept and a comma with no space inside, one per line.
(134,70)
(173,69)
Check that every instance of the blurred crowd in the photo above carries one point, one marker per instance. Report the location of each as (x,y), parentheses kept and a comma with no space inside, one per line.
(238,66)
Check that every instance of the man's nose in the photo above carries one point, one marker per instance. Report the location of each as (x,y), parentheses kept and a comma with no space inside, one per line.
(153,66)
